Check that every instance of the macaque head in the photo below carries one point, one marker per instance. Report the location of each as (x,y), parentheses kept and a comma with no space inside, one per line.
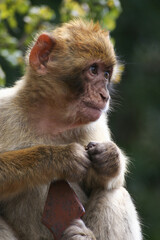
(74,66)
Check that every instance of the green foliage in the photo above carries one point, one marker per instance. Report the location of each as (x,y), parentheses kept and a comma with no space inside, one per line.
(106,12)
(2,77)
(138,126)
(21,19)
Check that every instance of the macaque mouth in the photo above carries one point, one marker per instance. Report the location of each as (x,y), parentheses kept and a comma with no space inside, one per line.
(98,107)
(93,111)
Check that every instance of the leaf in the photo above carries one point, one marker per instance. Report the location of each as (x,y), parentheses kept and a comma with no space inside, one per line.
(2,77)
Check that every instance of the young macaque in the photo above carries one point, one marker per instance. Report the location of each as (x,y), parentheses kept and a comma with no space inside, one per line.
(47,119)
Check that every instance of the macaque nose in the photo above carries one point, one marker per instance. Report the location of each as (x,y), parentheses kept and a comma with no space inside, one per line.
(104,96)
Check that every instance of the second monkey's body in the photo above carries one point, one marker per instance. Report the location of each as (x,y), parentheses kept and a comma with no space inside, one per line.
(46,120)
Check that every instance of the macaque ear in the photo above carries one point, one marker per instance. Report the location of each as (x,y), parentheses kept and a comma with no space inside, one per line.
(40,52)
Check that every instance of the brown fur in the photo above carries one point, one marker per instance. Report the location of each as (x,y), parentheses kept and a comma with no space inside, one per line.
(46,121)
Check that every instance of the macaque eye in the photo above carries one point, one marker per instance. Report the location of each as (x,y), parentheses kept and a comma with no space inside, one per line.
(94,69)
(107,75)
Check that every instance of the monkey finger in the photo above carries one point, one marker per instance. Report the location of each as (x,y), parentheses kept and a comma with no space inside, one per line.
(94,150)
(98,157)
(90,145)
(107,167)
(97,149)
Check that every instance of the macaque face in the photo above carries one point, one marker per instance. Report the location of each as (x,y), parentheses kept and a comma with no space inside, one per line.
(75,65)
(95,99)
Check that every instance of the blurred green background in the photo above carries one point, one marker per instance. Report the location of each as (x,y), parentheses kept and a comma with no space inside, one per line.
(135,119)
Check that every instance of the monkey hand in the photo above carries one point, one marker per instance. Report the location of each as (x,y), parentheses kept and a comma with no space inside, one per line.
(105,158)
(75,162)
(108,163)
(78,231)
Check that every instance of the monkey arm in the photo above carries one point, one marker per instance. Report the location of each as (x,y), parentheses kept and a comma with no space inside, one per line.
(26,168)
